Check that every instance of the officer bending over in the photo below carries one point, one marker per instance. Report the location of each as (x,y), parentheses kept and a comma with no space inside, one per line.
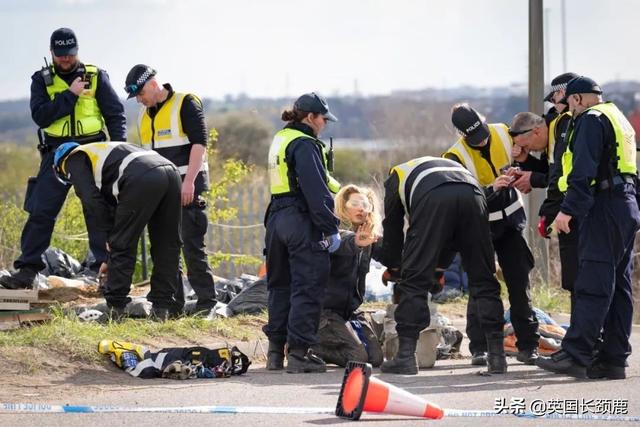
(447,213)
(127,188)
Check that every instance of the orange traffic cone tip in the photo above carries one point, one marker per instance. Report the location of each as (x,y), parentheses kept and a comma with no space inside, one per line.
(361,392)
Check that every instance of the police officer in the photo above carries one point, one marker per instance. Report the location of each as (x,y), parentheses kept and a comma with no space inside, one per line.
(173,124)
(485,150)
(540,173)
(447,212)
(533,133)
(301,231)
(599,174)
(70,101)
(127,188)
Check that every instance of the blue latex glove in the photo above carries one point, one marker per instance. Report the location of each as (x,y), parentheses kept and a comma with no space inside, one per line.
(333,242)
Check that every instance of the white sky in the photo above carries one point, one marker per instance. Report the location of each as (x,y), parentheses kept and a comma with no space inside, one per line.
(286,47)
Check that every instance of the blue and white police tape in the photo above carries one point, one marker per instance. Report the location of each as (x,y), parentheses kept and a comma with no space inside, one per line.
(555,416)
(44,408)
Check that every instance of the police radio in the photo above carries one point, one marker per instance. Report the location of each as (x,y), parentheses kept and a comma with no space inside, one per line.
(330,156)
(46,73)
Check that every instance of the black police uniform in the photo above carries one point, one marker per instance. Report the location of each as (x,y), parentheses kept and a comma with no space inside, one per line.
(47,197)
(567,242)
(515,260)
(609,219)
(448,212)
(194,217)
(297,263)
(148,195)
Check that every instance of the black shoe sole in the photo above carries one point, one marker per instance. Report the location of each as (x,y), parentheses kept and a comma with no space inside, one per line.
(398,370)
(573,371)
(303,370)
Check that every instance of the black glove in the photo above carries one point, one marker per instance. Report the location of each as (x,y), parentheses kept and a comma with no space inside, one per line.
(391,275)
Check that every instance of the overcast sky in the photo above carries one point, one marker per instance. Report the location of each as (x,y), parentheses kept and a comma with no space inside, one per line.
(286,47)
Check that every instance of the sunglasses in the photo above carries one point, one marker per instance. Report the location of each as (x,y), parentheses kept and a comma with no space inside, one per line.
(132,89)
(357,204)
(519,132)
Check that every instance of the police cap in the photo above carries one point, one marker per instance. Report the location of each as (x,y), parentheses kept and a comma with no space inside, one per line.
(314,103)
(137,77)
(558,83)
(64,42)
(471,126)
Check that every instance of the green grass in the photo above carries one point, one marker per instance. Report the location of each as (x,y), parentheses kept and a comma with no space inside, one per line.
(79,340)
(551,299)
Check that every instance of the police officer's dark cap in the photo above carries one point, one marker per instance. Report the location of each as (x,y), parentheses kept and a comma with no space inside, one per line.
(314,103)
(469,123)
(558,83)
(64,42)
(582,84)
(137,77)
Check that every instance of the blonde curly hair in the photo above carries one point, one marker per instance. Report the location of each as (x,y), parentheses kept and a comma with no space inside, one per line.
(341,207)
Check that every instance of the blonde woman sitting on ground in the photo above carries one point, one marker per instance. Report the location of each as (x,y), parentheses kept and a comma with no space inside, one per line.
(344,335)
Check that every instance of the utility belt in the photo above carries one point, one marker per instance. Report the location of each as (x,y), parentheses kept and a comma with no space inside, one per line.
(615,181)
(50,143)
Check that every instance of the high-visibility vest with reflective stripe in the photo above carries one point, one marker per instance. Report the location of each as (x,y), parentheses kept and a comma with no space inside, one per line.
(404,170)
(165,130)
(500,150)
(552,135)
(625,143)
(279,168)
(98,153)
(87,118)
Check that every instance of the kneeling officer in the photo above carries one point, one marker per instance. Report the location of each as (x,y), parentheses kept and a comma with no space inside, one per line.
(127,188)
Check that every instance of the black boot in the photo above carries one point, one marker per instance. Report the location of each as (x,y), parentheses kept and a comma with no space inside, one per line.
(275,356)
(302,360)
(601,369)
(405,362)
(21,279)
(496,359)
(479,358)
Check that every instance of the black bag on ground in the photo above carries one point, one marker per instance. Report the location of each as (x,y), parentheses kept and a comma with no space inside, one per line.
(252,300)
(59,263)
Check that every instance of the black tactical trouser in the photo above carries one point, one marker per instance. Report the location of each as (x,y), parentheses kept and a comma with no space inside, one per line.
(451,217)
(297,275)
(516,261)
(194,230)
(153,200)
(568,248)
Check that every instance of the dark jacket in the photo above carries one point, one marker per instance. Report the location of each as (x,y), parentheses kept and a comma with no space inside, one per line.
(498,200)
(311,194)
(100,203)
(551,205)
(593,146)
(349,268)
(45,111)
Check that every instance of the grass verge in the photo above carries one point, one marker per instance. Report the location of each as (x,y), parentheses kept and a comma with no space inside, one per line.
(79,340)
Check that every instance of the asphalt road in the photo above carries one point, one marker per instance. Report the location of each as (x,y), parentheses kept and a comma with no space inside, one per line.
(450,384)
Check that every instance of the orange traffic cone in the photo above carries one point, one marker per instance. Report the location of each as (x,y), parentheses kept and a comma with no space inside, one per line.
(361,392)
